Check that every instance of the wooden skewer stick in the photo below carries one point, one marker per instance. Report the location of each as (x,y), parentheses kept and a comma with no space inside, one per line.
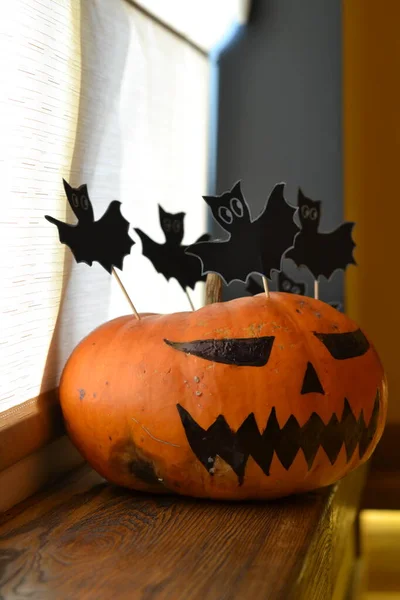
(265,284)
(121,285)
(190,300)
(316,289)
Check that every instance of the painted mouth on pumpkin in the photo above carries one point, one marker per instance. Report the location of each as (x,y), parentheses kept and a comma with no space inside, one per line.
(236,447)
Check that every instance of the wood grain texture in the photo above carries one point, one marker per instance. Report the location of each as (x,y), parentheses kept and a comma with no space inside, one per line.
(29,426)
(84,538)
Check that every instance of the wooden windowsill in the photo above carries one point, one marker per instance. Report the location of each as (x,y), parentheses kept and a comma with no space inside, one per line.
(28,427)
(84,538)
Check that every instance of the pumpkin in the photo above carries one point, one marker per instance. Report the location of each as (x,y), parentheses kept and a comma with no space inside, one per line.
(253,398)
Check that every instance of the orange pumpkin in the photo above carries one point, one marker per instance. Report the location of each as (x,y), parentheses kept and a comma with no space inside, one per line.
(253,398)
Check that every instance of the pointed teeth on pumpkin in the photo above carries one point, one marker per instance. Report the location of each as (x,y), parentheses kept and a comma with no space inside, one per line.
(235,447)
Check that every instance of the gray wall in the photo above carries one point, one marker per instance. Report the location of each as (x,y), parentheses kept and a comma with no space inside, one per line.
(279,114)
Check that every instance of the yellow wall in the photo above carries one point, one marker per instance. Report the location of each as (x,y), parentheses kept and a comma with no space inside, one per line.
(371,96)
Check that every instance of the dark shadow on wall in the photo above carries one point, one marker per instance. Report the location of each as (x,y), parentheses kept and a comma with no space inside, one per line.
(280,115)
(104,39)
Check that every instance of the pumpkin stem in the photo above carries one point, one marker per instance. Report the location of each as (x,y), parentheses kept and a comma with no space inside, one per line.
(213,288)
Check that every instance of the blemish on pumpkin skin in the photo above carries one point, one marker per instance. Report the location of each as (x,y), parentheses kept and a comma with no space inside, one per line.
(145,471)
(94,395)
(153,437)
(126,456)
(197,379)
(224,331)
(82,393)
(254,329)
(110,438)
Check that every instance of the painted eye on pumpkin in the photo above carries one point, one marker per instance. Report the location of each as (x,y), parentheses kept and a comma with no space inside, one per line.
(344,345)
(242,352)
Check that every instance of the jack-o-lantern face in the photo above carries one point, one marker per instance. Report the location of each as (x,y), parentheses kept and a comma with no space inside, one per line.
(253,398)
(236,447)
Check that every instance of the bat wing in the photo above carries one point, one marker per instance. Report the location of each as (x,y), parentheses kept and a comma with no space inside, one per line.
(189,270)
(110,239)
(158,255)
(224,258)
(203,238)
(337,249)
(276,230)
(324,253)
(253,287)
(305,253)
(74,236)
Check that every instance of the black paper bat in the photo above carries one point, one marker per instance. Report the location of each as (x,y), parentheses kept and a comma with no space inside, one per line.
(170,258)
(105,241)
(285,284)
(321,253)
(253,246)
(337,305)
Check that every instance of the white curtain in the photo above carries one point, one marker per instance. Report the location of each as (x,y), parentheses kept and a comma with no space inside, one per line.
(98,93)
(204,22)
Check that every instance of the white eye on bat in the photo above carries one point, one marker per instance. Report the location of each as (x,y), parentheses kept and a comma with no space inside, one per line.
(305,211)
(313,214)
(167,224)
(75,200)
(237,207)
(225,215)
(84,202)
(176,226)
